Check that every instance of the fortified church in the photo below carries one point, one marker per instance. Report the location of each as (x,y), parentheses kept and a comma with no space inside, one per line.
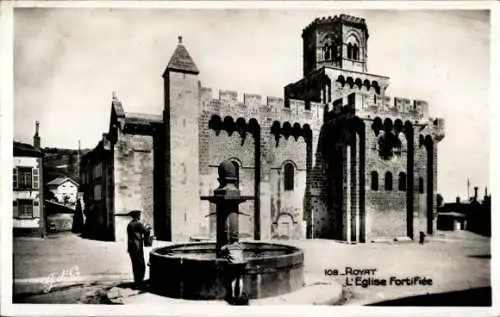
(335,158)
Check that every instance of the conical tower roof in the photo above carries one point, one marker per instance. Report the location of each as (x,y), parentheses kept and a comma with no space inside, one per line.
(181,61)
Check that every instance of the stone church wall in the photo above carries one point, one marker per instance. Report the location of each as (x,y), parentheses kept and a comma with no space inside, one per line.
(225,140)
(133,178)
(287,206)
(385,209)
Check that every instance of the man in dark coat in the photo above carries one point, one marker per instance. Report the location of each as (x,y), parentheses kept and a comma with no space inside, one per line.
(137,233)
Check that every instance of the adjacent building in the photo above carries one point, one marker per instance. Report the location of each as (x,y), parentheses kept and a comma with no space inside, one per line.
(28,207)
(473,214)
(64,189)
(334,158)
(118,175)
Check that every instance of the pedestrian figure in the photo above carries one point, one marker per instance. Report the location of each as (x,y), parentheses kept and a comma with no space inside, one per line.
(233,252)
(422,237)
(137,233)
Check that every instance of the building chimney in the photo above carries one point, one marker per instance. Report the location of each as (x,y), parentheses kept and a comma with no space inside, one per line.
(486,192)
(458,200)
(36,137)
(475,193)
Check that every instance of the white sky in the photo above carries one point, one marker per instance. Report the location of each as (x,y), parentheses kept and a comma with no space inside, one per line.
(68,61)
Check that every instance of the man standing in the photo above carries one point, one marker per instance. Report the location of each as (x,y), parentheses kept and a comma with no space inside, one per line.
(137,233)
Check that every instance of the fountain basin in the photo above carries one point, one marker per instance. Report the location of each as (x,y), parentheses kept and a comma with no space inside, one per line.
(192,271)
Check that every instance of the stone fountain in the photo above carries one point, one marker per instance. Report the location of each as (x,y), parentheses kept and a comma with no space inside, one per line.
(197,270)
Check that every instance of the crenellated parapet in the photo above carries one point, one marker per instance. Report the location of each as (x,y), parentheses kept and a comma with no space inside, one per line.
(230,103)
(434,128)
(369,105)
(343,18)
(438,129)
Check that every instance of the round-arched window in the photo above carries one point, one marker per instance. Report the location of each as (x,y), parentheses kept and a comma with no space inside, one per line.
(388,181)
(402,181)
(237,172)
(374,180)
(289,172)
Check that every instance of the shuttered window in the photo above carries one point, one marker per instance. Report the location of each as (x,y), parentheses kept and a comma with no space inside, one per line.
(14,178)
(97,192)
(24,177)
(36,178)
(14,209)
(97,171)
(25,208)
(36,209)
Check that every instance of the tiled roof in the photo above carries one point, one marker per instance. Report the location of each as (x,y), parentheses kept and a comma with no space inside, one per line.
(24,149)
(60,180)
(142,118)
(182,61)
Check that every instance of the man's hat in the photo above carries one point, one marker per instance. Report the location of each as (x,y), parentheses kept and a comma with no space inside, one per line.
(134,213)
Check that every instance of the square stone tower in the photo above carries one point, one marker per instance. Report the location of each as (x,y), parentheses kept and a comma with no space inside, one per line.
(181,88)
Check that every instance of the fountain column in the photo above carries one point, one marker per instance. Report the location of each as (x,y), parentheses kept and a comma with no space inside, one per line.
(226,197)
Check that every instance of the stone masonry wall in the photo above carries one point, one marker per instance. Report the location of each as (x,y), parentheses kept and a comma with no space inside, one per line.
(269,155)
(421,171)
(385,210)
(181,155)
(321,217)
(241,151)
(287,207)
(133,178)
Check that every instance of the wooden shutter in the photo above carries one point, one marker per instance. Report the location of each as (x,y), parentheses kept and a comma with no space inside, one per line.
(14,178)
(35,178)
(15,210)
(36,210)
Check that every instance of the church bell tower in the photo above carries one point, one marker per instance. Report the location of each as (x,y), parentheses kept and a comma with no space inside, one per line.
(339,41)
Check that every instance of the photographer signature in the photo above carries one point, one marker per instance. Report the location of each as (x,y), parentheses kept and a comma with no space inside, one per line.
(64,275)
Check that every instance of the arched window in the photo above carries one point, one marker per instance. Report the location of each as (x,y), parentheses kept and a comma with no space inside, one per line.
(355,52)
(402,181)
(388,181)
(349,50)
(326,50)
(289,176)
(237,170)
(333,49)
(420,185)
(374,180)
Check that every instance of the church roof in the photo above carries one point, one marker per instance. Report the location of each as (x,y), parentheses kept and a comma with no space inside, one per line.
(181,61)
(142,118)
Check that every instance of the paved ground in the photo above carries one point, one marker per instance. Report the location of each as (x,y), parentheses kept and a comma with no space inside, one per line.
(460,261)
